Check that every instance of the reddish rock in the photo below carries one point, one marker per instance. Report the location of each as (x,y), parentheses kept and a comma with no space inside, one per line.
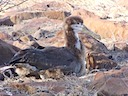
(123,3)
(57,40)
(20,45)
(27,44)
(34,24)
(108,74)
(59,15)
(105,28)
(50,9)
(6,52)
(51,5)
(111,83)
(52,14)
(4,36)
(114,87)
(27,38)
(20,16)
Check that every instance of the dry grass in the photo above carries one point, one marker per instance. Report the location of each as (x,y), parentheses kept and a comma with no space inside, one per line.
(73,86)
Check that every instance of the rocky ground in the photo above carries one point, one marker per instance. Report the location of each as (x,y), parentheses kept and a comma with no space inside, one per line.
(22,23)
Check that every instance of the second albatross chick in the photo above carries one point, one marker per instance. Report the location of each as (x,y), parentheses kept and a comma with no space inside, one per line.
(69,59)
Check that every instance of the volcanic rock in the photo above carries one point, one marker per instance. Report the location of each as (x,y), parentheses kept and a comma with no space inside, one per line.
(7,52)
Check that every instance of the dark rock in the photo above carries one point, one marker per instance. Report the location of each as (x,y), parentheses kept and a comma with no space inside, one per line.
(8,74)
(6,21)
(1,77)
(6,52)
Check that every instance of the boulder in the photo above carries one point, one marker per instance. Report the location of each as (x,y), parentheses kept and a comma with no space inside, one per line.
(114,87)
(6,52)
(111,83)
(31,26)
(53,14)
(106,29)
(57,40)
(49,9)
(52,5)
(6,21)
